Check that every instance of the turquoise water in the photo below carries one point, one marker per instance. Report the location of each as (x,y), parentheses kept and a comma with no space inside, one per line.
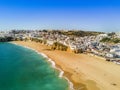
(24,69)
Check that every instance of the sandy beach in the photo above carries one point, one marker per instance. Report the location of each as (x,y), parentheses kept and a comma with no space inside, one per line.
(86,72)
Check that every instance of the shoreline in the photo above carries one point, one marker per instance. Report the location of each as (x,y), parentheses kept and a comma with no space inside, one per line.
(54,65)
(84,71)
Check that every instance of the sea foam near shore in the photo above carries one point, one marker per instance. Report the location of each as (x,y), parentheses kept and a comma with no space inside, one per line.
(53,65)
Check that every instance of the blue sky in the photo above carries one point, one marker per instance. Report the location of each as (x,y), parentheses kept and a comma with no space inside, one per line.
(94,15)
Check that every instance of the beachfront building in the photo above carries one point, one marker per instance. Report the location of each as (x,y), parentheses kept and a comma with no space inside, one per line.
(2,34)
(109,55)
(117,35)
(50,42)
(77,47)
(116,50)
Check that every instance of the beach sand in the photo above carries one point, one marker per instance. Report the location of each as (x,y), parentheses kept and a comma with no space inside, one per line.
(85,71)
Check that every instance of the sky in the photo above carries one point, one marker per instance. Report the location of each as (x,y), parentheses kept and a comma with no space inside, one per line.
(90,15)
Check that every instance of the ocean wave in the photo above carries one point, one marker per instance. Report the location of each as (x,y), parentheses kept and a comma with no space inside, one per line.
(60,70)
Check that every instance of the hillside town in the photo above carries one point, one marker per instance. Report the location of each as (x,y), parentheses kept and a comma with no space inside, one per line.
(91,44)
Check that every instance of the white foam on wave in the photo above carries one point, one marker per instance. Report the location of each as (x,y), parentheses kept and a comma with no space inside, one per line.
(61,71)
(52,62)
(53,65)
(43,55)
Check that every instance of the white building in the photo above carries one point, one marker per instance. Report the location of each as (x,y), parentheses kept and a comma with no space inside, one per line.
(101,36)
(118,34)
(50,42)
(109,55)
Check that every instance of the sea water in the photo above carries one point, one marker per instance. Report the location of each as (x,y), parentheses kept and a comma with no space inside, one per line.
(24,69)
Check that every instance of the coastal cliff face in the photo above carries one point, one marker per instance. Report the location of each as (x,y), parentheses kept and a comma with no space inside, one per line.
(6,39)
(85,71)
